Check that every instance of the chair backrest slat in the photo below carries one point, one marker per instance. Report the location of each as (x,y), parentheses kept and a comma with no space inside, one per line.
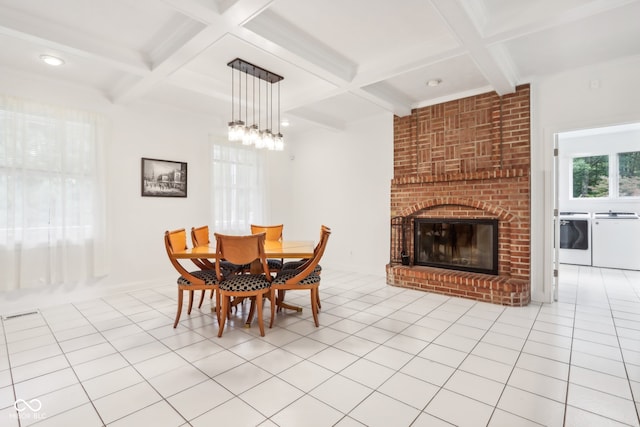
(200,235)
(176,240)
(273,232)
(308,267)
(241,250)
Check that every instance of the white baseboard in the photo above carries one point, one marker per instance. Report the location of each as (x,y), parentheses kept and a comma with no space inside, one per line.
(36,299)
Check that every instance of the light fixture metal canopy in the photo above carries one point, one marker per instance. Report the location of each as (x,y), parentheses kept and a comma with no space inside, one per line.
(254,70)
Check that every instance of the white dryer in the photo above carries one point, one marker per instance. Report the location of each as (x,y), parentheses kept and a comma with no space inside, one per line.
(616,240)
(575,238)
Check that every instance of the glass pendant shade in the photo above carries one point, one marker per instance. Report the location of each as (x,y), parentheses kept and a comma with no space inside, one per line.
(260,142)
(278,142)
(268,140)
(232,131)
(246,137)
(239,130)
(254,134)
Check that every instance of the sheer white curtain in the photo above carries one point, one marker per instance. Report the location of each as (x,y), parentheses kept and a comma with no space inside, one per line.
(238,184)
(52,195)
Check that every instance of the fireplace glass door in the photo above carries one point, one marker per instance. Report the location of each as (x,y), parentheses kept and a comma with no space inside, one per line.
(457,244)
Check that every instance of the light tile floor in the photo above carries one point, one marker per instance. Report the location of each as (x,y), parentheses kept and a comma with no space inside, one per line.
(383,356)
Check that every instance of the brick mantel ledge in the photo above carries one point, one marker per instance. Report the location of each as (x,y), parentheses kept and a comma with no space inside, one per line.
(480,287)
(469,176)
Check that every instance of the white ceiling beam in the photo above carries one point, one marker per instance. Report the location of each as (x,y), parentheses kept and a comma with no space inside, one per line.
(282,33)
(387,98)
(237,14)
(462,25)
(195,10)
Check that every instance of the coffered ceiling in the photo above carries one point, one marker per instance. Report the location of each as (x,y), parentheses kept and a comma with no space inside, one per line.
(342,60)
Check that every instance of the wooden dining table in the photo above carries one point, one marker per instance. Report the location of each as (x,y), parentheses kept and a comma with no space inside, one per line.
(281,249)
(286,249)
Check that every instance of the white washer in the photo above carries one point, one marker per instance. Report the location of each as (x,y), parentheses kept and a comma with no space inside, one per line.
(575,238)
(616,240)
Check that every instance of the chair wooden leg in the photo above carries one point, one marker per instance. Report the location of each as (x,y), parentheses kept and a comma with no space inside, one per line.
(260,302)
(175,323)
(202,298)
(218,302)
(318,299)
(272,299)
(280,299)
(223,314)
(314,305)
(190,302)
(252,311)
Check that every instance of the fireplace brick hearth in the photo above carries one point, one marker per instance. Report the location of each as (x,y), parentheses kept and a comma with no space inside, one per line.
(468,158)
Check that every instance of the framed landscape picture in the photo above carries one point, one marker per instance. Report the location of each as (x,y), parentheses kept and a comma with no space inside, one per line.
(163,178)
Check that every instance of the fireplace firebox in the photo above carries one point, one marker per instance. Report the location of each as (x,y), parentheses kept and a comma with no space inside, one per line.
(457,244)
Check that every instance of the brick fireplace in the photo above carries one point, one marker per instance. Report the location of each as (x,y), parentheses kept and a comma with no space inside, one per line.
(468,158)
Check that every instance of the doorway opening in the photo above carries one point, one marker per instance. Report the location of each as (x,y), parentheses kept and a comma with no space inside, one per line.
(597,198)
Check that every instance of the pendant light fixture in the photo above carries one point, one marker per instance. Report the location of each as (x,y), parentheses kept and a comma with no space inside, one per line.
(253,134)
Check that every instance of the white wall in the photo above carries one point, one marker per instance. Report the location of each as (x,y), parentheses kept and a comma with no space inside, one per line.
(341,179)
(589,97)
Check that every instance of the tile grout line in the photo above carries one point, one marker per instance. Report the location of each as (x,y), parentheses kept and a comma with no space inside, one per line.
(624,364)
(13,384)
(506,382)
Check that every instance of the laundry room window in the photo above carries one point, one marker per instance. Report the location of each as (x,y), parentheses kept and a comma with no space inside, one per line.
(629,174)
(591,177)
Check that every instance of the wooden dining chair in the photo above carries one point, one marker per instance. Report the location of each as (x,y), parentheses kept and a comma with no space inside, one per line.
(273,234)
(203,279)
(305,277)
(200,237)
(300,265)
(242,250)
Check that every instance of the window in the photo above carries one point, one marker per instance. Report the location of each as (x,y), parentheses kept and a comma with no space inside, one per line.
(591,176)
(238,188)
(52,223)
(629,174)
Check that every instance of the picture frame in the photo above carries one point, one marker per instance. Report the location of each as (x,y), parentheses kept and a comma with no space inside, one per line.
(163,178)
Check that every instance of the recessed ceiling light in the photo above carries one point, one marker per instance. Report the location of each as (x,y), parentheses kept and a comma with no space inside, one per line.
(284,123)
(52,60)
(434,82)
